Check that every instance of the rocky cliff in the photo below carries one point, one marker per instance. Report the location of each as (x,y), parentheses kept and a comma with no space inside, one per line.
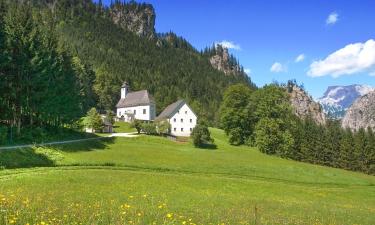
(361,114)
(225,62)
(137,18)
(304,106)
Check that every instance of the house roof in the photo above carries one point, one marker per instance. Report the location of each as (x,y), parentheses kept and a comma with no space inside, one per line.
(136,98)
(170,110)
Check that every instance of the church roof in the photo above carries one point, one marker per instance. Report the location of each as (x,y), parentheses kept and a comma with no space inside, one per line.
(170,110)
(136,98)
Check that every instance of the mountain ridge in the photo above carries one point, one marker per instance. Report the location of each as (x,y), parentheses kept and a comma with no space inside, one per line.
(338,98)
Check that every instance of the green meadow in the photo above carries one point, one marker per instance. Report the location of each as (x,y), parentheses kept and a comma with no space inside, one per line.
(153,180)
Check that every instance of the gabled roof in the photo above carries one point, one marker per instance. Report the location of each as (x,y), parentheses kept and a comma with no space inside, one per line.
(136,98)
(172,109)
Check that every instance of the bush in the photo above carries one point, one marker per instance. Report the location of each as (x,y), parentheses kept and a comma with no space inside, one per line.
(149,128)
(137,124)
(201,136)
(163,127)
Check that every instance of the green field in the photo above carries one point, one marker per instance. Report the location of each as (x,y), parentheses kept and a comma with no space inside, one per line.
(152,180)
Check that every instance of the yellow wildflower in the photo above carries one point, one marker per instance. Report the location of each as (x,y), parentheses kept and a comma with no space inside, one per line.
(169,215)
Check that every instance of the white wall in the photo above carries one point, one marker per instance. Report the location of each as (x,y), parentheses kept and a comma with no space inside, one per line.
(186,115)
(139,115)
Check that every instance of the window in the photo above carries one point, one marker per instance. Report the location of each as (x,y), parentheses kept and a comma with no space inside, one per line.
(175,129)
(144,111)
(191,129)
(182,120)
(191,120)
(185,112)
(135,111)
(174,120)
(178,111)
(182,129)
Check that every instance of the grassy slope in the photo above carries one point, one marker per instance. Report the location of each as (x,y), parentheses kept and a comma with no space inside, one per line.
(123,127)
(228,184)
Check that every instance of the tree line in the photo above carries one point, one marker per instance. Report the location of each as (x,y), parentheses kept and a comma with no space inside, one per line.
(264,118)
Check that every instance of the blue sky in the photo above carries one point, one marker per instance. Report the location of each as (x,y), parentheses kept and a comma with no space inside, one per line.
(273,33)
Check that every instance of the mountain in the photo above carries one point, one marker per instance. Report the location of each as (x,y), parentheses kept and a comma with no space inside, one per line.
(361,114)
(221,60)
(337,99)
(304,106)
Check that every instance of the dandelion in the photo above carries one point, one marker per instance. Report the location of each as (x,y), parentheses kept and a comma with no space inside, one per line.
(160,206)
(169,215)
(145,196)
(139,214)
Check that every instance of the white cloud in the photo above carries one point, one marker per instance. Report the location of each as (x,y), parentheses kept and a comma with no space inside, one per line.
(247,71)
(372,74)
(332,18)
(278,68)
(353,58)
(229,45)
(300,58)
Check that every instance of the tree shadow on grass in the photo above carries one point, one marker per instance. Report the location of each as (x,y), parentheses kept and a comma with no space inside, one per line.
(85,146)
(208,146)
(47,156)
(23,158)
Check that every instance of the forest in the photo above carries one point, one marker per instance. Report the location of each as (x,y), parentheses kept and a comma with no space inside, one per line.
(264,118)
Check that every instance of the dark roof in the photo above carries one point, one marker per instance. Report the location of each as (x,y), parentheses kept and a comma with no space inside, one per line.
(136,98)
(170,110)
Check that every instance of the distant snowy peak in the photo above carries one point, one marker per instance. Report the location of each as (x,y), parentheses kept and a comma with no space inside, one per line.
(337,99)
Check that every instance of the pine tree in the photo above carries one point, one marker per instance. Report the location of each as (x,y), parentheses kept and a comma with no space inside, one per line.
(346,156)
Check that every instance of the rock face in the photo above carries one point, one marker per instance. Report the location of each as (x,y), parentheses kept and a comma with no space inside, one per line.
(304,106)
(337,99)
(137,18)
(222,61)
(361,114)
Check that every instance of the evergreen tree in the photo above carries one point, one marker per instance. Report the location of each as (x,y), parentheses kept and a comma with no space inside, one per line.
(93,120)
(346,158)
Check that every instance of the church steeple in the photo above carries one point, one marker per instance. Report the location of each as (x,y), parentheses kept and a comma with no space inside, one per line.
(125,88)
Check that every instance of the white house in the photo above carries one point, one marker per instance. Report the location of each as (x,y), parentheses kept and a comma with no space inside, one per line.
(138,105)
(181,117)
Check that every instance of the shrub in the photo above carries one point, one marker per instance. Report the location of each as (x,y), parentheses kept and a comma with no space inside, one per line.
(163,127)
(149,128)
(201,135)
(137,124)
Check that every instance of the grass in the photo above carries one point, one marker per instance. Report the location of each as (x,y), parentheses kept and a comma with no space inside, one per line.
(148,180)
(123,127)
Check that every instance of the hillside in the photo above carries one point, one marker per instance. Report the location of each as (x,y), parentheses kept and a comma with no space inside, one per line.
(167,66)
(152,179)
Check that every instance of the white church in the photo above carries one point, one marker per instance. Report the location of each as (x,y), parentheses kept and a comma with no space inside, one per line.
(138,105)
(141,105)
